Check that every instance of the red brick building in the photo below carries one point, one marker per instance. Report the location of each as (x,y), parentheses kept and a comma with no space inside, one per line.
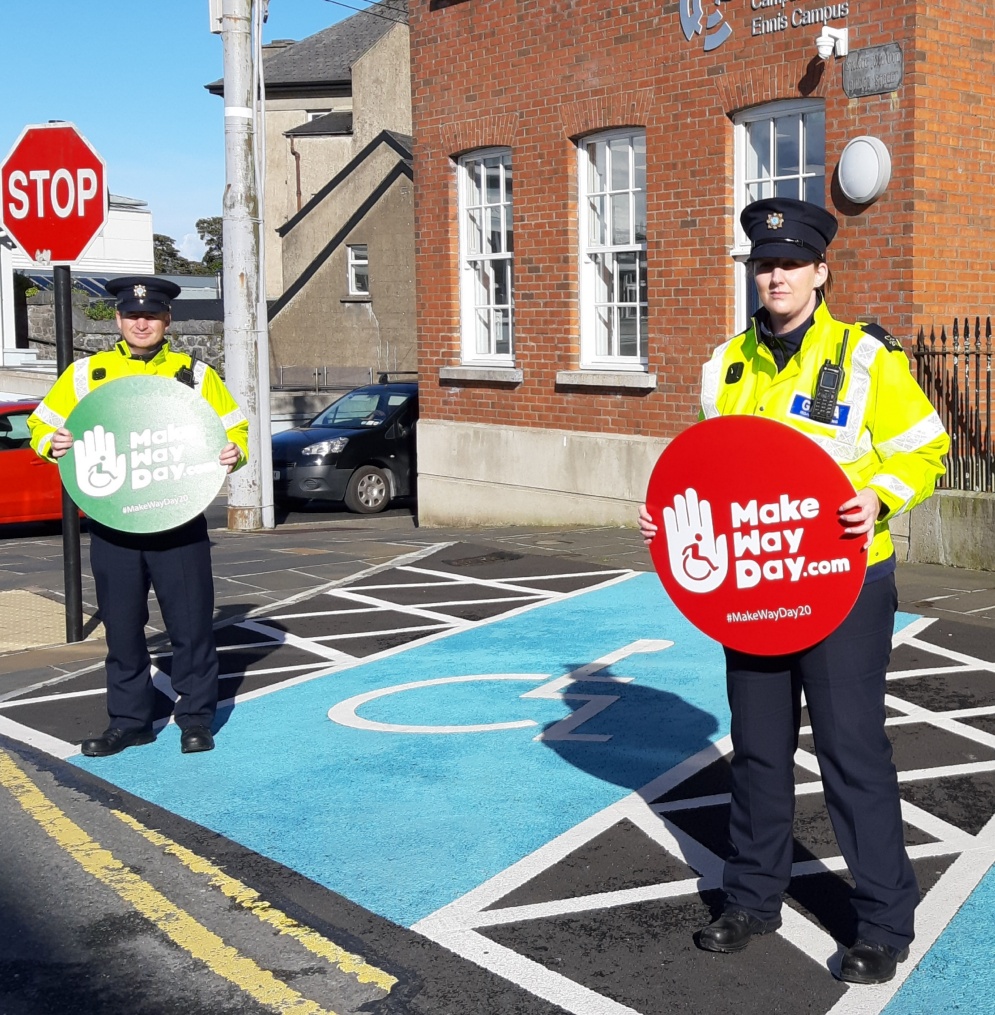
(580,166)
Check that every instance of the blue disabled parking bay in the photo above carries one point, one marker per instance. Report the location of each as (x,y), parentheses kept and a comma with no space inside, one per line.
(430,779)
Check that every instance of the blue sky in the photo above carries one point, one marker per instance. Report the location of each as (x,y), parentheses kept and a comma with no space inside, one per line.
(130,74)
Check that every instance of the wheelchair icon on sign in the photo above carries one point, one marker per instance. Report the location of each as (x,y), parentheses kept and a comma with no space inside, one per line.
(346,713)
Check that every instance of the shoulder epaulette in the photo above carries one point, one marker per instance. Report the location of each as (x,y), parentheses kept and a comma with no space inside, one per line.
(888,340)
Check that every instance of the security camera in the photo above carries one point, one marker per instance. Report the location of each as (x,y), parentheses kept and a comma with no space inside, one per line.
(832,40)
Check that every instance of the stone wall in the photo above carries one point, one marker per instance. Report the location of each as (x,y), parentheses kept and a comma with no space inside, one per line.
(206,338)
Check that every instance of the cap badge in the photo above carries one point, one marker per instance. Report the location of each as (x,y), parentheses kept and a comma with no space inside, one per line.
(775,220)
(140,289)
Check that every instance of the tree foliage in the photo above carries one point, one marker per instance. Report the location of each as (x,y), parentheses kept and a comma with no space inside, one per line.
(169,261)
(209,230)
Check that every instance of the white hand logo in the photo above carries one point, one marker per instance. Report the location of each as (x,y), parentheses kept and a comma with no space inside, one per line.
(698,560)
(100,471)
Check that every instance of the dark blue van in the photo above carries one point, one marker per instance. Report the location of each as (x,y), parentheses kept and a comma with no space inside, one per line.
(360,450)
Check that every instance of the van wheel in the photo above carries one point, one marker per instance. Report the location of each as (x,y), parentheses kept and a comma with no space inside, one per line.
(368,491)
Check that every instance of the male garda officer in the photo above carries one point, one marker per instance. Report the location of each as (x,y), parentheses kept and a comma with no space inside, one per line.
(176,563)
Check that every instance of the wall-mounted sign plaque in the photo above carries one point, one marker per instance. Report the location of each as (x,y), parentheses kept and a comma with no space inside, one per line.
(873,71)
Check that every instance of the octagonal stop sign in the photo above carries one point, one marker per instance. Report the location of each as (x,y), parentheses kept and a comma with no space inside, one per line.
(53,193)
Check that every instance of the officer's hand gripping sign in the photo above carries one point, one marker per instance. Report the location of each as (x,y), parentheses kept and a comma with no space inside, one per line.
(750,546)
(145,454)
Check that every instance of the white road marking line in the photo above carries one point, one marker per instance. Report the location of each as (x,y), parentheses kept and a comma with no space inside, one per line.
(329,613)
(299,597)
(413,611)
(973,662)
(482,602)
(333,655)
(507,584)
(673,839)
(381,633)
(35,738)
(53,697)
(450,627)
(452,925)
(912,630)
(533,977)
(586,903)
(933,916)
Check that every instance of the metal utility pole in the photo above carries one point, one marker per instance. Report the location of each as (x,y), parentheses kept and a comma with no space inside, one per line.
(71,559)
(250,502)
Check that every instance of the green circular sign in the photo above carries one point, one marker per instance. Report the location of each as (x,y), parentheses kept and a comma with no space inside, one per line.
(145,454)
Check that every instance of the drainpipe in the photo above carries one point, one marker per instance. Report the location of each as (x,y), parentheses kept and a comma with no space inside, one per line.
(297,163)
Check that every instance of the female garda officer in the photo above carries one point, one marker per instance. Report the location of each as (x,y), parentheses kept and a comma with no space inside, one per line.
(884,433)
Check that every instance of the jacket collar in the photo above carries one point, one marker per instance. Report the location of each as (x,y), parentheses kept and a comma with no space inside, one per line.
(157,355)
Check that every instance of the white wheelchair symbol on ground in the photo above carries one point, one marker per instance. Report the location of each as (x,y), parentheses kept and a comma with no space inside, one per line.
(346,712)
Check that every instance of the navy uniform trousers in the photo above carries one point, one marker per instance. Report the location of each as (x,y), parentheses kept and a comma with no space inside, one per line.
(843,678)
(177,564)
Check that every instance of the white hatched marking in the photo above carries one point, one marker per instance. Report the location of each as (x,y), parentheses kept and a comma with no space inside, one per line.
(537,979)
(588,903)
(449,626)
(413,611)
(378,634)
(971,662)
(284,637)
(53,697)
(452,926)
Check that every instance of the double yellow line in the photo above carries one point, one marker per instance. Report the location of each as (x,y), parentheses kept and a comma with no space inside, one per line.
(176,923)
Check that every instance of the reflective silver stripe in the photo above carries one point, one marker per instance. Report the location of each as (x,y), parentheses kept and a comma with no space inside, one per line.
(711,374)
(81,378)
(199,373)
(233,418)
(895,486)
(923,433)
(49,416)
(44,443)
(858,392)
(842,451)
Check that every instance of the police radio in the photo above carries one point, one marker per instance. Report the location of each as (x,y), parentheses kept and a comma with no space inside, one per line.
(827,387)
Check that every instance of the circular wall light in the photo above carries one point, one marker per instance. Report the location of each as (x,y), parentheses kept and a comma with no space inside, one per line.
(864,169)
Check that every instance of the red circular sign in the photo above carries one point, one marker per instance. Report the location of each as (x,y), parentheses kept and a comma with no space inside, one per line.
(750,546)
(53,193)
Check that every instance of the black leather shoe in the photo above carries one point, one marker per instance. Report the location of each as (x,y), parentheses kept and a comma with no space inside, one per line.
(115,740)
(732,931)
(870,962)
(196,738)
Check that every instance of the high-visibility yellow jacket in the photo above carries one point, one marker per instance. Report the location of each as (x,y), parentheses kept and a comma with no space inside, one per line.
(885,434)
(86,374)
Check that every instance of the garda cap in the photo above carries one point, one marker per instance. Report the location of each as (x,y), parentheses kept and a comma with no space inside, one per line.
(142,292)
(786,227)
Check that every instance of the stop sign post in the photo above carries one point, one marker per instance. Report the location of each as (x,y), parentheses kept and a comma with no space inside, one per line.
(53,203)
(53,193)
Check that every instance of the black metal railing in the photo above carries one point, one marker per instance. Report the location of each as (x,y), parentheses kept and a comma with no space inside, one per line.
(956,374)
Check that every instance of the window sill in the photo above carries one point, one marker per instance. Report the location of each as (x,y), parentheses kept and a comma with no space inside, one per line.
(493,375)
(355,299)
(634,380)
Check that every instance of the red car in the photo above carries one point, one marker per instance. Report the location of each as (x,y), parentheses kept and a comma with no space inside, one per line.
(30,490)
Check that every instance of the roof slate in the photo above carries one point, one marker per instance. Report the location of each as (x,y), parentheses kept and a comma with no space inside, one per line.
(328,55)
(330,123)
